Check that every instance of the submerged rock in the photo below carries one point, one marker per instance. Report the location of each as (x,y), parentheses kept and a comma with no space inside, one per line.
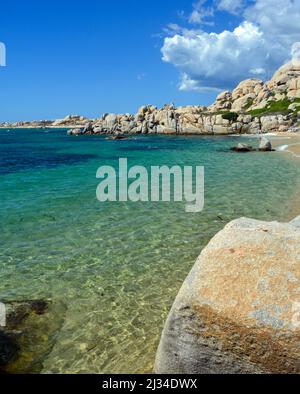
(39,306)
(17,313)
(117,137)
(238,310)
(9,349)
(242,148)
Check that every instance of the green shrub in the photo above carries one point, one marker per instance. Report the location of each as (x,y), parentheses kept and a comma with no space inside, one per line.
(249,103)
(280,106)
(231,116)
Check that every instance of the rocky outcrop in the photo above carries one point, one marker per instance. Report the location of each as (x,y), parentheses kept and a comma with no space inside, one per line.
(183,120)
(70,120)
(265,145)
(286,80)
(238,310)
(255,94)
(192,121)
(75,132)
(27,124)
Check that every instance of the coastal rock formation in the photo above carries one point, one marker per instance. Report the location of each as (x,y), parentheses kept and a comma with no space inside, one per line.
(238,310)
(265,145)
(75,132)
(28,124)
(254,94)
(287,80)
(253,107)
(178,121)
(70,120)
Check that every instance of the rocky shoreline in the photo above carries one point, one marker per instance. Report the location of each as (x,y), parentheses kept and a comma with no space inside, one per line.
(253,107)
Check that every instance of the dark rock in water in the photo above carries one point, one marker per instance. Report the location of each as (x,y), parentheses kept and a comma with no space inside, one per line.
(9,350)
(88,128)
(117,137)
(242,148)
(264,146)
(17,313)
(74,132)
(39,307)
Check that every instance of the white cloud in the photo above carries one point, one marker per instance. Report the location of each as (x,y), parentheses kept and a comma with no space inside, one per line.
(200,13)
(216,60)
(296,51)
(258,71)
(188,84)
(254,49)
(278,19)
(2,55)
(231,6)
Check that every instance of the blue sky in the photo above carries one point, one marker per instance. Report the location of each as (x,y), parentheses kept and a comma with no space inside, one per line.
(90,57)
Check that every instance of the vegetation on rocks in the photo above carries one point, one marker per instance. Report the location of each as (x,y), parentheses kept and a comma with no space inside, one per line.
(281,106)
(231,116)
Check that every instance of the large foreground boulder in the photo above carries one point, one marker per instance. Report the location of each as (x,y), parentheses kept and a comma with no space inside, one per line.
(238,310)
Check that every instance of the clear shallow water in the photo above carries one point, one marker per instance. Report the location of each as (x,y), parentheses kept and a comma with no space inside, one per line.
(112,270)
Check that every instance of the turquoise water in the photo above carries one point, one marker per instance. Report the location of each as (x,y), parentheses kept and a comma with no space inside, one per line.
(112,270)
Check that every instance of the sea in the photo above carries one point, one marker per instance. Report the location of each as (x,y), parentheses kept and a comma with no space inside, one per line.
(111,270)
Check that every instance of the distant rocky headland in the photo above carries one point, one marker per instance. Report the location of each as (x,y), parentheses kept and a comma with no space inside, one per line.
(252,107)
